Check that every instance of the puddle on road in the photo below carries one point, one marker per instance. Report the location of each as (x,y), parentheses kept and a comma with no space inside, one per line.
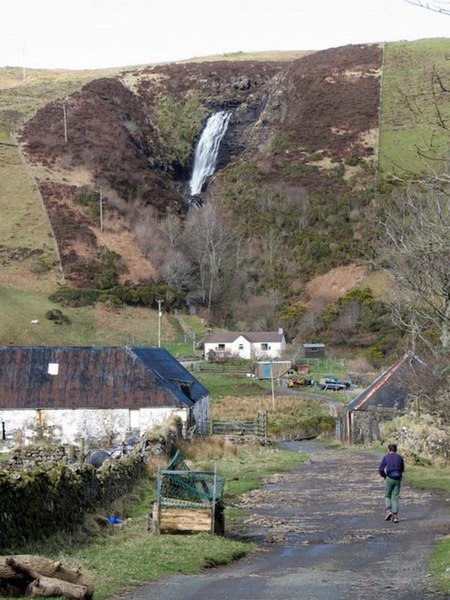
(313,551)
(379,543)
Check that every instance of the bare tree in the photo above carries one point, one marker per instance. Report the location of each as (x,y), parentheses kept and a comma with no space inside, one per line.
(440,6)
(177,271)
(416,252)
(209,243)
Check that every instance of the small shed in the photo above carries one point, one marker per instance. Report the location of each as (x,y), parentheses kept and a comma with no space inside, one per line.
(314,350)
(268,369)
(384,399)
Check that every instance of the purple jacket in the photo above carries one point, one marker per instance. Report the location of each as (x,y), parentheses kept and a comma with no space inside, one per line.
(392,466)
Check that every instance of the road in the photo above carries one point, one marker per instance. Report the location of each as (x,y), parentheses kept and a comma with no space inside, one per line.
(323,536)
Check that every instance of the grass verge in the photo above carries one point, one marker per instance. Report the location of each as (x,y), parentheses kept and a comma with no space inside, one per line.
(434,477)
(120,558)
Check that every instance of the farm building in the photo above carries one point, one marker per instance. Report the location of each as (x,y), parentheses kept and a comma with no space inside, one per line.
(272,369)
(249,345)
(314,350)
(95,394)
(384,399)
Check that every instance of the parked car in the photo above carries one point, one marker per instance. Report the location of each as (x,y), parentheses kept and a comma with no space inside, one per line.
(334,384)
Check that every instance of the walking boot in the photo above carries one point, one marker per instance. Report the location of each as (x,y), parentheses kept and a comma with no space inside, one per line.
(395,518)
(388,516)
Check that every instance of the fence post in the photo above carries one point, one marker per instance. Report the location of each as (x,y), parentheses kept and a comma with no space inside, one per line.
(262,424)
(213,512)
(158,500)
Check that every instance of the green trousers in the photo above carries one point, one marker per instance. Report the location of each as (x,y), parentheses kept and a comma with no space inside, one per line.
(391,493)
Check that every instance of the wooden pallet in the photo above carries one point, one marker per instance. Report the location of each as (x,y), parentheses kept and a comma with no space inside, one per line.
(187,520)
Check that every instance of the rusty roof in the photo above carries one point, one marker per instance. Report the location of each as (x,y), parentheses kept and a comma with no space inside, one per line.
(389,390)
(94,377)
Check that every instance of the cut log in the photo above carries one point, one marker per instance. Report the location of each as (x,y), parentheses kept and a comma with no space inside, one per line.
(37,563)
(41,565)
(31,569)
(48,586)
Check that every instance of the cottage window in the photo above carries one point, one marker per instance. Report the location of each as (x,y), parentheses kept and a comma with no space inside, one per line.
(241,346)
(220,346)
(265,347)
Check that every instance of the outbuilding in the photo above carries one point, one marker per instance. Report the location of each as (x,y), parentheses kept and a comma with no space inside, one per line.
(384,399)
(314,350)
(98,395)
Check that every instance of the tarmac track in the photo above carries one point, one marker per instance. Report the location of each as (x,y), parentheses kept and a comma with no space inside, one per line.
(323,537)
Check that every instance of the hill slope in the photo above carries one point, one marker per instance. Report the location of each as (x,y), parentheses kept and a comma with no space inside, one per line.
(296,171)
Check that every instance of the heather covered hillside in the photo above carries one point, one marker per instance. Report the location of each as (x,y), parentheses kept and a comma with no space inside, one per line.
(305,163)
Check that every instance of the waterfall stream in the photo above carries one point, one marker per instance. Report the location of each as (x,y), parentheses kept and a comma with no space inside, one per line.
(207,150)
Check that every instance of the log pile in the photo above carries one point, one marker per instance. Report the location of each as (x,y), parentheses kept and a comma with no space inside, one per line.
(31,575)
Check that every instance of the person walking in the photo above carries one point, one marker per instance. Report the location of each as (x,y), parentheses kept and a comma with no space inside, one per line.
(391,470)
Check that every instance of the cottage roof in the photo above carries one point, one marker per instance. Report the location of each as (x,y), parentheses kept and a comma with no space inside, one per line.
(254,337)
(94,377)
(389,390)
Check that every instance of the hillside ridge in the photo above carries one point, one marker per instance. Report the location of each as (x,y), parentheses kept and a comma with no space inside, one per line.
(302,146)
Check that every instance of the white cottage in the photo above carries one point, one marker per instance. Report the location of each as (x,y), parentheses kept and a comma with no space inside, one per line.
(94,394)
(250,345)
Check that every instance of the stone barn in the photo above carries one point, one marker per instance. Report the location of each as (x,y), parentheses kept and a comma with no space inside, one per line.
(384,399)
(93,395)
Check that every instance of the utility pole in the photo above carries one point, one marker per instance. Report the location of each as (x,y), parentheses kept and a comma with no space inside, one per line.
(65,121)
(271,381)
(101,209)
(159,321)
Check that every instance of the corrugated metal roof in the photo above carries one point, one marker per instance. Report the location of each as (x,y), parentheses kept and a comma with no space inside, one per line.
(160,361)
(251,336)
(94,377)
(389,390)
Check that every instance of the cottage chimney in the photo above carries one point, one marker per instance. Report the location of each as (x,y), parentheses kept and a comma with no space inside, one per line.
(280,330)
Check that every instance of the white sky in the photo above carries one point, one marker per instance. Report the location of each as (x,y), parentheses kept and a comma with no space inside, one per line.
(80,34)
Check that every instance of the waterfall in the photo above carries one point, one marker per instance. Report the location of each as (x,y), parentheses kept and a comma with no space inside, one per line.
(207,149)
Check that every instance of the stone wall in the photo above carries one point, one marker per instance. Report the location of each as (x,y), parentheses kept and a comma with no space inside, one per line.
(55,492)
(42,456)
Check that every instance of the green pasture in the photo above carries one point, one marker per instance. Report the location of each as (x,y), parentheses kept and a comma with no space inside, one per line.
(415,111)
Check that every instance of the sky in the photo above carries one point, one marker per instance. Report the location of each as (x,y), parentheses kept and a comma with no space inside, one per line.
(86,34)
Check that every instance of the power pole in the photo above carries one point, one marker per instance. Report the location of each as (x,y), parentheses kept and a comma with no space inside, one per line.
(271,382)
(159,321)
(65,121)
(101,209)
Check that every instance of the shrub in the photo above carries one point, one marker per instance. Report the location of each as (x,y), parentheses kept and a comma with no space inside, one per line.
(75,297)
(57,316)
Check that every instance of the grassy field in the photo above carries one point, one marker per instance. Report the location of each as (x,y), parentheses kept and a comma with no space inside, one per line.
(88,325)
(412,106)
